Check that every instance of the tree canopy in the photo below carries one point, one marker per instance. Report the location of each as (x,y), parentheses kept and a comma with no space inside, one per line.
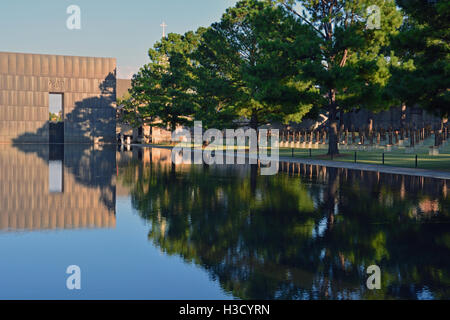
(277,61)
(245,58)
(161,92)
(348,64)
(422,76)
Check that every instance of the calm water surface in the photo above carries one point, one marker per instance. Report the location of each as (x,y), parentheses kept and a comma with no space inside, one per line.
(142,228)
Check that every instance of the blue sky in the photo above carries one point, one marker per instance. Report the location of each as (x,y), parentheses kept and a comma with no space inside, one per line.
(123,29)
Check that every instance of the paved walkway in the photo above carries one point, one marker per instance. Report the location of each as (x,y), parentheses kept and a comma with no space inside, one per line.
(355,166)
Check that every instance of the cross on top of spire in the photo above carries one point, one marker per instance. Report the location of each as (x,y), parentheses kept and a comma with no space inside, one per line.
(164,25)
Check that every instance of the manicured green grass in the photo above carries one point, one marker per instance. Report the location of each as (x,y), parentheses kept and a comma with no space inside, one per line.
(399,158)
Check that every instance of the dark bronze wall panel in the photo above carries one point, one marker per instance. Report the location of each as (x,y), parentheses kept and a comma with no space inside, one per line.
(88,85)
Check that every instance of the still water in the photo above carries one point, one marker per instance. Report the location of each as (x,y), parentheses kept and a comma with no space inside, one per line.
(142,228)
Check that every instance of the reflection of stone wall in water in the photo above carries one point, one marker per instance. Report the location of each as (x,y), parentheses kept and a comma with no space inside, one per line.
(87,200)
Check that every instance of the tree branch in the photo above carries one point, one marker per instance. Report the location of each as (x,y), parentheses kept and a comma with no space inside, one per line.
(344,58)
(289,8)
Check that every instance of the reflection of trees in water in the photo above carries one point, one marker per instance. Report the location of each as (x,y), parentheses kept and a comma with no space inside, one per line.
(279,237)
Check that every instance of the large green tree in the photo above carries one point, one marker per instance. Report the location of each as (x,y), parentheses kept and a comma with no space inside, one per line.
(161,93)
(242,60)
(422,74)
(349,63)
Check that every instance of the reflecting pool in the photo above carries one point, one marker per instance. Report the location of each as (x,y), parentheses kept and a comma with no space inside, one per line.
(140,227)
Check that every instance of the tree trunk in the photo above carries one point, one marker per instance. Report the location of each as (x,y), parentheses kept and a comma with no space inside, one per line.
(151,135)
(341,120)
(332,140)
(445,129)
(254,121)
(370,128)
(173,127)
(254,125)
(332,124)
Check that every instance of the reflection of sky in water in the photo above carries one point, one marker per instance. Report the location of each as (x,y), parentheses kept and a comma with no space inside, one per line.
(55,168)
(115,263)
(425,294)
(320,228)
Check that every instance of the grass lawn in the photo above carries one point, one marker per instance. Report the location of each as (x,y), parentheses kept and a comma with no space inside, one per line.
(398,157)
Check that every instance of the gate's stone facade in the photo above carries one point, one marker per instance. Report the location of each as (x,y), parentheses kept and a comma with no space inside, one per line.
(88,86)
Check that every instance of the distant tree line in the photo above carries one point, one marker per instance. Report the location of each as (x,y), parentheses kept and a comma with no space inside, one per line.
(279,61)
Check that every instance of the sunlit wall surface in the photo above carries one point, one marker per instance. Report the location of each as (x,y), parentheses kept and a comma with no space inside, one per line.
(88,86)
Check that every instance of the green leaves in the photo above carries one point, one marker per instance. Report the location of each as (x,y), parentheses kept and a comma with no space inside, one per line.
(250,58)
(341,56)
(162,93)
(424,47)
(272,61)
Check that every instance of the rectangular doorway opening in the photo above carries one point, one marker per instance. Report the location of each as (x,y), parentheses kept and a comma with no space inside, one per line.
(56,117)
